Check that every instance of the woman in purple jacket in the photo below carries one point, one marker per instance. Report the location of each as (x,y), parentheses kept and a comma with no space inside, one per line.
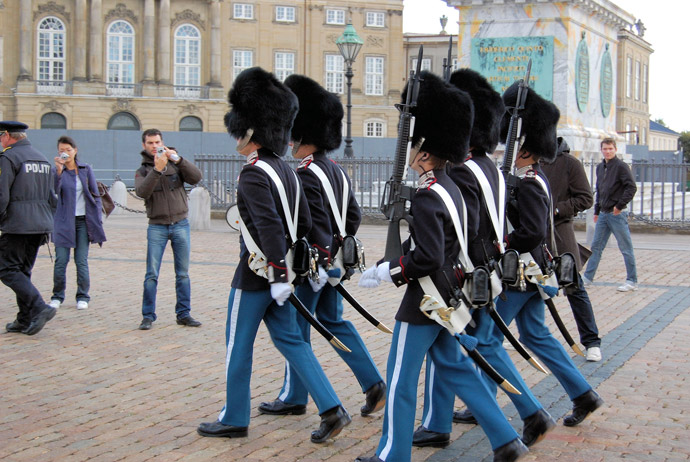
(78,221)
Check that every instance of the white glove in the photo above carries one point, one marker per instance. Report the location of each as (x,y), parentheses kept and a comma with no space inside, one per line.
(323,278)
(383,272)
(280,291)
(369,279)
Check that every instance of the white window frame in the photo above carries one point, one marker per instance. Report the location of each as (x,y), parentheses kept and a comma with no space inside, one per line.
(51,62)
(241,60)
(285,14)
(375,19)
(638,70)
(334,68)
(628,77)
(644,136)
(336,17)
(120,55)
(627,133)
(645,82)
(374,128)
(374,71)
(243,11)
(187,61)
(284,64)
(426,64)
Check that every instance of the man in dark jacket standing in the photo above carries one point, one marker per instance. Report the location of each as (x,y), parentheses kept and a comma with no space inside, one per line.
(27,204)
(615,189)
(572,194)
(160,182)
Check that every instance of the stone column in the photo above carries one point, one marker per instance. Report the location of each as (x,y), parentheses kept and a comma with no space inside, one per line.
(163,65)
(215,44)
(149,40)
(79,46)
(25,41)
(96,42)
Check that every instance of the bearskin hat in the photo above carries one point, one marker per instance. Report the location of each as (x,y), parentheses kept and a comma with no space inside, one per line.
(261,102)
(443,117)
(539,120)
(320,117)
(488,108)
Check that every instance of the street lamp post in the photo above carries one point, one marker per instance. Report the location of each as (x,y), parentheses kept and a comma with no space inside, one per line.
(349,45)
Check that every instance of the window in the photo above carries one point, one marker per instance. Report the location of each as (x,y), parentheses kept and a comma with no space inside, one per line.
(120,70)
(191,124)
(187,61)
(628,77)
(637,80)
(241,60)
(373,76)
(636,135)
(455,64)
(335,16)
(51,52)
(644,136)
(627,133)
(335,72)
(645,82)
(243,11)
(285,13)
(284,65)
(374,19)
(373,129)
(426,64)
(53,120)
(123,121)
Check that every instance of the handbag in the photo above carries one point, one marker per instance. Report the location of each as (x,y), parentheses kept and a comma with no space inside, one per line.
(107,204)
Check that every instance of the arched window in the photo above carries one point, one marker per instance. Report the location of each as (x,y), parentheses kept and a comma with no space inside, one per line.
(123,121)
(51,55)
(191,124)
(120,72)
(187,61)
(53,120)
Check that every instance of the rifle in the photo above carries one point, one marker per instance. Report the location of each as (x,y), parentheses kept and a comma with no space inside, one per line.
(515,126)
(396,193)
(447,66)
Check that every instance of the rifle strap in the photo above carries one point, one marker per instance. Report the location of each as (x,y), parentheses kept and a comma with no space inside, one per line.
(495,208)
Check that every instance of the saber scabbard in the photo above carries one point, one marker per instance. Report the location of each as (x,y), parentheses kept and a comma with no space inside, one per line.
(356,305)
(316,324)
(513,341)
(491,372)
(559,322)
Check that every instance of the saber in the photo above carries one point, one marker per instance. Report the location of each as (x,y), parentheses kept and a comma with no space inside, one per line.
(490,371)
(355,304)
(316,324)
(561,327)
(513,341)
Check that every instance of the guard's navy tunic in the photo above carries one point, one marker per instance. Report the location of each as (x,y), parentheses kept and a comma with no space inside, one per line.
(250,298)
(327,304)
(415,336)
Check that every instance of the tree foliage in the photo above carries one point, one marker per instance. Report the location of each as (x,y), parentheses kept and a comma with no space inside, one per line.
(661,122)
(684,141)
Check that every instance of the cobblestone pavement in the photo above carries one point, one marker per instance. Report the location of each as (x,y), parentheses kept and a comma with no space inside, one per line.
(90,386)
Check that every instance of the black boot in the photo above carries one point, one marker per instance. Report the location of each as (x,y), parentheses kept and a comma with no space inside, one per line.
(583,406)
(368,459)
(375,399)
(332,422)
(278,407)
(219,430)
(424,438)
(15,326)
(465,417)
(536,427)
(511,451)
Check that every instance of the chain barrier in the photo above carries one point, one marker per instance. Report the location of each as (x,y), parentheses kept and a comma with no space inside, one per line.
(220,200)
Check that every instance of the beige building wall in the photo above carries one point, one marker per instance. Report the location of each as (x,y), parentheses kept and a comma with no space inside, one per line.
(84,98)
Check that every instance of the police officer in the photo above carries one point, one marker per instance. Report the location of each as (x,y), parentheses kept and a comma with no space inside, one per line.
(443,117)
(318,130)
(263,110)
(27,205)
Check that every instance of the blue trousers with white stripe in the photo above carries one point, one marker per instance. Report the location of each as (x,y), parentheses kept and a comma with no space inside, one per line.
(409,346)
(246,309)
(327,305)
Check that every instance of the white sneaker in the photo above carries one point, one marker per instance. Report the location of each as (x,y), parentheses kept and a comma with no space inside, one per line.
(593,354)
(82,305)
(627,287)
(55,304)
(586,282)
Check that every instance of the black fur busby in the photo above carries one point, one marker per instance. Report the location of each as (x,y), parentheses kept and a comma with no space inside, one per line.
(488,108)
(264,104)
(443,117)
(319,120)
(539,120)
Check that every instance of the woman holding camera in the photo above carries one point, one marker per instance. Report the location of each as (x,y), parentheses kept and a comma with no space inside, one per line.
(78,221)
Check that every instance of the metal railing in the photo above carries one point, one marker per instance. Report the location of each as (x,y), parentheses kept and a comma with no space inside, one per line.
(54,87)
(123,89)
(190,91)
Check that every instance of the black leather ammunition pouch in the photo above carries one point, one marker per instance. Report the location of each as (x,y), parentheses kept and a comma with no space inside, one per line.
(480,286)
(303,255)
(510,267)
(352,253)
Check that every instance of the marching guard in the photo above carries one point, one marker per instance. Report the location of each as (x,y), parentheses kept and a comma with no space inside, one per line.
(268,197)
(443,121)
(316,132)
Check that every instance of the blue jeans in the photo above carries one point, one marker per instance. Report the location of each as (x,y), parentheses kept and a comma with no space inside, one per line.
(608,223)
(81,260)
(158,236)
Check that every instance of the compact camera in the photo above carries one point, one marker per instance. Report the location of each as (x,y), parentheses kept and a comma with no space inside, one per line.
(160,151)
(64,156)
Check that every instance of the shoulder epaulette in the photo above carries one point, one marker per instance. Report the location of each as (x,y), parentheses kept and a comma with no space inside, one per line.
(426,180)
(304,163)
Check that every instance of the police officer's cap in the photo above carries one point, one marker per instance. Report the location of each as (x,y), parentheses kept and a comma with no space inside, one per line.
(539,121)
(443,117)
(262,103)
(488,108)
(12,126)
(319,120)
